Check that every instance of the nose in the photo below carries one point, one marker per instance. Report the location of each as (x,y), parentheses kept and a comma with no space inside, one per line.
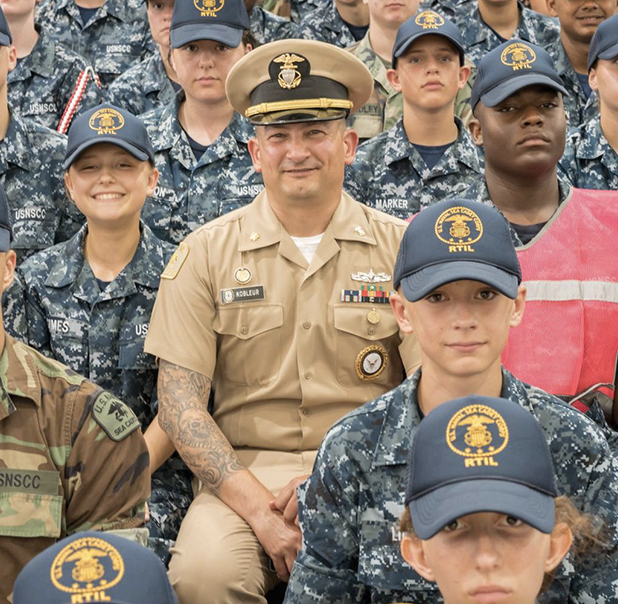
(206,59)
(486,555)
(297,148)
(464,317)
(532,116)
(106,175)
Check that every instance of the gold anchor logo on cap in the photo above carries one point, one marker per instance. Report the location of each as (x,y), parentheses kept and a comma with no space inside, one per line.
(106,121)
(289,76)
(459,228)
(242,275)
(373,316)
(208,8)
(518,56)
(254,236)
(429,20)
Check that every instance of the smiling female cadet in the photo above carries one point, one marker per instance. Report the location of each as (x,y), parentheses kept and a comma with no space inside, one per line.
(89,299)
(200,143)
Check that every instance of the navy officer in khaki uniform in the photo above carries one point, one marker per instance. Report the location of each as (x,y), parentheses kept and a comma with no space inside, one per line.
(280,309)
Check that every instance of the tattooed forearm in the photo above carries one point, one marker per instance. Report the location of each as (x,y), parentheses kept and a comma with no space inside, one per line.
(183,398)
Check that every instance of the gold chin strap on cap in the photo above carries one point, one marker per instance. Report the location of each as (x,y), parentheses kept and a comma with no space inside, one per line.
(321,103)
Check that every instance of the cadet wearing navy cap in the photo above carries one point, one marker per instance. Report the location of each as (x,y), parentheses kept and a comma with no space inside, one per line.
(89,299)
(428,154)
(281,308)
(459,290)
(521,125)
(590,159)
(482,516)
(94,567)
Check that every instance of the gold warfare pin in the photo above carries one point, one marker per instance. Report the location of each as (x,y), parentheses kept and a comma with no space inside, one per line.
(106,121)
(460,228)
(518,56)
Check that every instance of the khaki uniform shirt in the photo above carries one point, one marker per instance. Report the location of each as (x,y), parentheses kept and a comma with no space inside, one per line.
(241,305)
(72,458)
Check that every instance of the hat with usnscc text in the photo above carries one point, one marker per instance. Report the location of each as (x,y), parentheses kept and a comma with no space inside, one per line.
(94,567)
(292,81)
(479,454)
(514,65)
(454,240)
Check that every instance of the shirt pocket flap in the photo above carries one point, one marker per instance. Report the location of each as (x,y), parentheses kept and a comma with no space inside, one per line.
(245,322)
(30,515)
(367,322)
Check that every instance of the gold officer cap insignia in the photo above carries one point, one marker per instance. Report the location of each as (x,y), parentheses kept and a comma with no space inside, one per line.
(429,20)
(518,56)
(106,121)
(289,77)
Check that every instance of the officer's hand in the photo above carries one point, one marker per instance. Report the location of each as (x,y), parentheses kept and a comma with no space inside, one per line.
(286,501)
(280,540)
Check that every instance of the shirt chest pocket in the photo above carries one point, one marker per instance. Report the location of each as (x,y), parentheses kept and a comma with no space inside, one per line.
(30,505)
(131,353)
(249,347)
(69,342)
(367,341)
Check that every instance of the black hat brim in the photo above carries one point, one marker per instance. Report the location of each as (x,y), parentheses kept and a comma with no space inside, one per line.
(132,149)
(505,89)
(192,32)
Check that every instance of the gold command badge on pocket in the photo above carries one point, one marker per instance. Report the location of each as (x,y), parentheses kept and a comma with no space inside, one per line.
(371,362)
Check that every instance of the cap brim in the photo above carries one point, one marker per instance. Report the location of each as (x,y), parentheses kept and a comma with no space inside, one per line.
(423,282)
(5,239)
(5,40)
(132,149)
(433,511)
(400,51)
(191,32)
(609,53)
(506,89)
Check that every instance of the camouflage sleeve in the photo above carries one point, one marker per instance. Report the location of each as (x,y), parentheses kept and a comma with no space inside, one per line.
(106,472)
(357,182)
(325,570)
(567,166)
(14,310)
(36,328)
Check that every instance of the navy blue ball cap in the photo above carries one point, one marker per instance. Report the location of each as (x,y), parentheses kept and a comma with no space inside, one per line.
(6,232)
(514,65)
(426,22)
(6,39)
(219,20)
(94,567)
(107,123)
(455,240)
(604,43)
(479,454)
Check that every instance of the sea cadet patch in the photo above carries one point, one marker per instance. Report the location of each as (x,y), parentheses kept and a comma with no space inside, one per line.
(116,418)
(371,362)
(459,228)
(176,261)
(289,70)
(429,20)
(242,294)
(518,56)
(478,434)
(209,8)
(106,121)
(86,568)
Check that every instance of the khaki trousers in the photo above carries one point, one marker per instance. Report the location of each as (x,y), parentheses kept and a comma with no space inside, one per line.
(217,558)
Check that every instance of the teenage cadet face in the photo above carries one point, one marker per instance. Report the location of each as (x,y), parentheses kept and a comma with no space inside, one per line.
(523,135)
(391,13)
(17,8)
(579,19)
(461,327)
(202,67)
(159,19)
(109,185)
(428,74)
(603,78)
(303,161)
(489,558)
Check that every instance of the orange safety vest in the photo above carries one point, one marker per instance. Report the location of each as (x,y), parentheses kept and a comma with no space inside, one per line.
(567,343)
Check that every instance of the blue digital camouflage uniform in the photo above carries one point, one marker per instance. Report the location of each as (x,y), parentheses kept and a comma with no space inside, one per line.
(267,27)
(143,87)
(390,175)
(579,109)
(31,173)
(589,161)
(451,8)
(350,507)
(100,334)
(191,191)
(42,84)
(114,39)
(296,10)
(326,25)
(479,38)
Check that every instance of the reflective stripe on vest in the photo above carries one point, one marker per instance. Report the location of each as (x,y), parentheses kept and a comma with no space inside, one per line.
(567,342)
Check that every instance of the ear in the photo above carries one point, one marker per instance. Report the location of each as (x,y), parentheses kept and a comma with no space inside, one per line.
(551,6)
(350,142)
(414,554)
(560,542)
(153,179)
(399,310)
(520,303)
(464,74)
(254,151)
(248,48)
(393,79)
(12,58)
(10,260)
(475,130)
(68,183)
(592,79)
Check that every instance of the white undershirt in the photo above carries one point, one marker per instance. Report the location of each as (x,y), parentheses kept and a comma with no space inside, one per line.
(308,245)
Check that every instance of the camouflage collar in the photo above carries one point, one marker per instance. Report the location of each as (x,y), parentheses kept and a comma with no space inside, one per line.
(593,144)
(476,31)
(18,374)
(116,8)
(398,147)
(39,61)
(153,73)
(348,223)
(71,268)
(15,148)
(329,17)
(561,61)
(364,51)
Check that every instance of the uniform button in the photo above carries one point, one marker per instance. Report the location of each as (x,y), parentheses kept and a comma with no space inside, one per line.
(371,331)
(306,325)
(307,376)
(305,411)
(244,330)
